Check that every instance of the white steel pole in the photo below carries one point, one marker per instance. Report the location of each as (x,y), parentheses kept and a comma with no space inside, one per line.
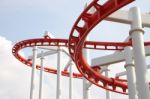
(70,81)
(58,91)
(33,71)
(86,83)
(41,76)
(108,94)
(85,89)
(130,68)
(137,33)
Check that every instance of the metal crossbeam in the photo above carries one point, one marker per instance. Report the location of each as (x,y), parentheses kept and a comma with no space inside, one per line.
(122,17)
(113,58)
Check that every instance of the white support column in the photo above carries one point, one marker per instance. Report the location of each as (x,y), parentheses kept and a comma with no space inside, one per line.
(130,68)
(108,93)
(86,83)
(70,81)
(41,76)
(136,33)
(58,91)
(85,89)
(33,71)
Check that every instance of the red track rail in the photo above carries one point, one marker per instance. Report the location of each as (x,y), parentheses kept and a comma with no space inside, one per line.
(61,42)
(75,48)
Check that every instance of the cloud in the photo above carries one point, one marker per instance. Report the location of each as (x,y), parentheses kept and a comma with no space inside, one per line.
(15,77)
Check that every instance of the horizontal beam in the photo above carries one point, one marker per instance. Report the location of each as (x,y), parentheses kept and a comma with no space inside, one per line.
(50,52)
(124,72)
(39,55)
(121,74)
(122,17)
(48,48)
(109,59)
(113,58)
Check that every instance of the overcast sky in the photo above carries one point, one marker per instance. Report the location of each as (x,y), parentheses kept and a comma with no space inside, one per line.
(25,19)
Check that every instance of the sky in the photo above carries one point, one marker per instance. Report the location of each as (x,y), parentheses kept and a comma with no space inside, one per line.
(25,19)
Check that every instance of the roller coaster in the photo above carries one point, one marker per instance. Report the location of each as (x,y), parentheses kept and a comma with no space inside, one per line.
(133,50)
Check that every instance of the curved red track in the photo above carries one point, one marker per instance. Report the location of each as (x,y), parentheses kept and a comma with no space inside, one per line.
(61,42)
(77,42)
(77,39)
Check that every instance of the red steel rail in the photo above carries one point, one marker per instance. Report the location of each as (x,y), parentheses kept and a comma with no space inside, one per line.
(61,42)
(79,35)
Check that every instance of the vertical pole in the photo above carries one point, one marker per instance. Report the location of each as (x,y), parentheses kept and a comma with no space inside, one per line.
(70,81)
(137,33)
(130,68)
(33,70)
(108,95)
(86,90)
(41,77)
(58,91)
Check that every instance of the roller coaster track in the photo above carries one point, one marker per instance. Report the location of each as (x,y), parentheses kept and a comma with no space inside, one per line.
(79,34)
(77,42)
(64,43)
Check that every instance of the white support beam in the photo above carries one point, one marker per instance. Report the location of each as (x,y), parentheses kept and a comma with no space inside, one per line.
(130,68)
(109,59)
(114,58)
(41,77)
(68,64)
(124,72)
(58,90)
(48,48)
(39,55)
(71,82)
(121,74)
(108,93)
(137,35)
(33,72)
(122,17)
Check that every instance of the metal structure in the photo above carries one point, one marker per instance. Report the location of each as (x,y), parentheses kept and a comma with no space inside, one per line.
(132,52)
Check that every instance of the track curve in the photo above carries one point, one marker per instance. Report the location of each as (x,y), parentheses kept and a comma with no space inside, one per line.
(61,42)
(78,36)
